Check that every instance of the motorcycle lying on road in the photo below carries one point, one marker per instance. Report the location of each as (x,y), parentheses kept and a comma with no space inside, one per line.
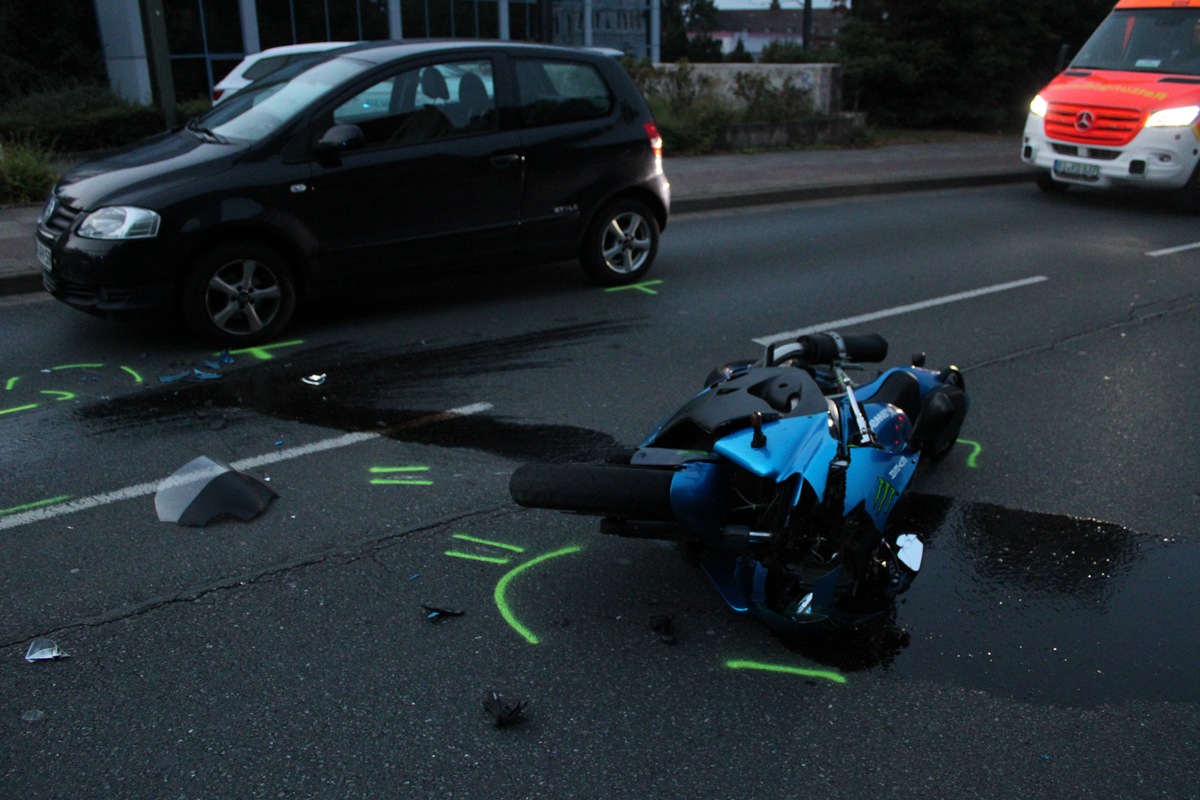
(781,477)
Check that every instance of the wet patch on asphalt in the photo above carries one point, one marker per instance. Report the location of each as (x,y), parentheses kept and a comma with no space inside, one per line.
(1040,607)
(372,391)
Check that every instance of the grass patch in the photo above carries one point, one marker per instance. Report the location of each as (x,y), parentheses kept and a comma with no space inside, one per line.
(26,173)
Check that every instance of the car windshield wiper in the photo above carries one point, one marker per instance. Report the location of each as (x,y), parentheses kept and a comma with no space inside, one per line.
(207,134)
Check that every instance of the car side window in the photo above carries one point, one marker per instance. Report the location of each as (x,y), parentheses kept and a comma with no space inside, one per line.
(551,92)
(438,101)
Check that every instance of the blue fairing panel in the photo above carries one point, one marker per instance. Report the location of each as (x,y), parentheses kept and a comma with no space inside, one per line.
(697,496)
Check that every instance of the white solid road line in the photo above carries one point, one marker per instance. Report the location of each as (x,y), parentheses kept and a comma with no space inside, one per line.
(1166,251)
(897,310)
(274,457)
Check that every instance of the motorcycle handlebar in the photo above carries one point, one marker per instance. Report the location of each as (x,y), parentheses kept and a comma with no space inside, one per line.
(827,348)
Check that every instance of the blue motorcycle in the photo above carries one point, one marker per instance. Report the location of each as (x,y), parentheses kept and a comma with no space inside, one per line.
(780,477)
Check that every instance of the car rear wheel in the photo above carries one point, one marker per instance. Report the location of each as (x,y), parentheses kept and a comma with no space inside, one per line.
(621,243)
(239,293)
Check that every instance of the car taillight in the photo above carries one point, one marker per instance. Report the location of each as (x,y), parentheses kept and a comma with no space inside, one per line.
(655,139)
(655,144)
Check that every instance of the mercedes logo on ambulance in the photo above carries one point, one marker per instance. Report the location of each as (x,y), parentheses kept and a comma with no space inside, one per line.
(1084,121)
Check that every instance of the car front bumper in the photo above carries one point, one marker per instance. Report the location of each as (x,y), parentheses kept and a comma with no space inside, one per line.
(1157,158)
(106,277)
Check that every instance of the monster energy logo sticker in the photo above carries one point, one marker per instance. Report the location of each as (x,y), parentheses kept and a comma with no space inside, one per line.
(885,495)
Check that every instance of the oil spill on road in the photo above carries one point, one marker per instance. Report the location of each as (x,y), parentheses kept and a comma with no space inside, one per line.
(373,391)
(1040,607)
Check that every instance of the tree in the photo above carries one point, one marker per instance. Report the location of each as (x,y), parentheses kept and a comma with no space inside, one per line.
(673,42)
(47,45)
(969,64)
(681,17)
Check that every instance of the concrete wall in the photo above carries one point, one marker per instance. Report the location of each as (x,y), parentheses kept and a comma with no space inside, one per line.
(823,81)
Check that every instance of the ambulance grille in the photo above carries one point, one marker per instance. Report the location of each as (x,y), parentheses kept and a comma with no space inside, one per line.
(1111,127)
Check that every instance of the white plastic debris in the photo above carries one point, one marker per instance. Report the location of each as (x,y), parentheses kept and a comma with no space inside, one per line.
(42,649)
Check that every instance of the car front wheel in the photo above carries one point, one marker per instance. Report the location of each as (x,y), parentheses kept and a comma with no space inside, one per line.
(621,243)
(239,293)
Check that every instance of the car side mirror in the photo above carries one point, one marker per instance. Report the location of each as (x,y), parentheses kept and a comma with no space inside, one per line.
(340,139)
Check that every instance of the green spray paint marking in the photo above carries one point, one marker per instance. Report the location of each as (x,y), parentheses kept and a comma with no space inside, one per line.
(47,502)
(61,395)
(464,537)
(502,588)
(398,481)
(10,383)
(486,559)
(136,377)
(474,557)
(15,409)
(786,670)
(77,366)
(640,287)
(977,448)
(263,352)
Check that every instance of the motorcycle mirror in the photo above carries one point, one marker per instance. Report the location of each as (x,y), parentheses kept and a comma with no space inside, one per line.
(918,359)
(759,440)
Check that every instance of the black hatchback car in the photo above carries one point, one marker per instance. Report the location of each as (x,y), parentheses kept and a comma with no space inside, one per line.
(380,162)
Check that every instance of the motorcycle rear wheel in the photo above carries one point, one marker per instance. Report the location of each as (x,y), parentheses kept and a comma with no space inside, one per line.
(627,492)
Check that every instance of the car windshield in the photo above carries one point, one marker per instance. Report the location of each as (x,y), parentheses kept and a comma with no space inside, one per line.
(1159,40)
(261,109)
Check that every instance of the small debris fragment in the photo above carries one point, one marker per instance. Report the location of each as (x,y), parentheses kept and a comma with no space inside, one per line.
(437,614)
(664,626)
(42,649)
(502,711)
(314,380)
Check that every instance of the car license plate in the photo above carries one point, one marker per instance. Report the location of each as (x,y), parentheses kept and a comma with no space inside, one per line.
(1075,171)
(43,257)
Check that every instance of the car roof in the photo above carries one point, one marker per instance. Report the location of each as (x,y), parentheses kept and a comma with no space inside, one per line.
(384,51)
(303,47)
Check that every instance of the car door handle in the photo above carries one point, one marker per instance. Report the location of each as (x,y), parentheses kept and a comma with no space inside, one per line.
(506,160)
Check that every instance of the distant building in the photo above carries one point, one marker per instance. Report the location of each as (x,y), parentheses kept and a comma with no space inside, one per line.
(201,40)
(755,29)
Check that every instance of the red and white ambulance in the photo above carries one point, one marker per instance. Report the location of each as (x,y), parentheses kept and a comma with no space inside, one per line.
(1126,112)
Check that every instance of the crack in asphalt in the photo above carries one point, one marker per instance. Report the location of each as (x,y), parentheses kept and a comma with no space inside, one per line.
(350,552)
(1178,306)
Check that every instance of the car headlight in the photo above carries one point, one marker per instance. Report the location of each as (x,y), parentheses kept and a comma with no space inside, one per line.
(1173,117)
(120,222)
(1038,106)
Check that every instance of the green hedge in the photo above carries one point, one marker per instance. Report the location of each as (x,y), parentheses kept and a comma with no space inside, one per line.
(25,172)
(85,118)
(33,129)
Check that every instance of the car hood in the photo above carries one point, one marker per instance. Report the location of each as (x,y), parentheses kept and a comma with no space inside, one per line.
(1145,92)
(146,173)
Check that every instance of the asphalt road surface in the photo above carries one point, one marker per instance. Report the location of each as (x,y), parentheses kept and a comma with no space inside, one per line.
(1047,650)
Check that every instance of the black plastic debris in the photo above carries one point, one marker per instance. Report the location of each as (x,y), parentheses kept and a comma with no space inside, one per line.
(205,488)
(43,649)
(435,614)
(664,626)
(503,712)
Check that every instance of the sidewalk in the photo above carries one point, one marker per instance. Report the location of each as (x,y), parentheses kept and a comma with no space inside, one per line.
(701,183)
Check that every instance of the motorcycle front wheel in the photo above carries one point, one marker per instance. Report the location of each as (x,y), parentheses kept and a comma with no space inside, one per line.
(612,490)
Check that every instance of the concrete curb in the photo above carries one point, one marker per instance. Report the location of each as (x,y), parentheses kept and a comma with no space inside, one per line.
(834,191)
